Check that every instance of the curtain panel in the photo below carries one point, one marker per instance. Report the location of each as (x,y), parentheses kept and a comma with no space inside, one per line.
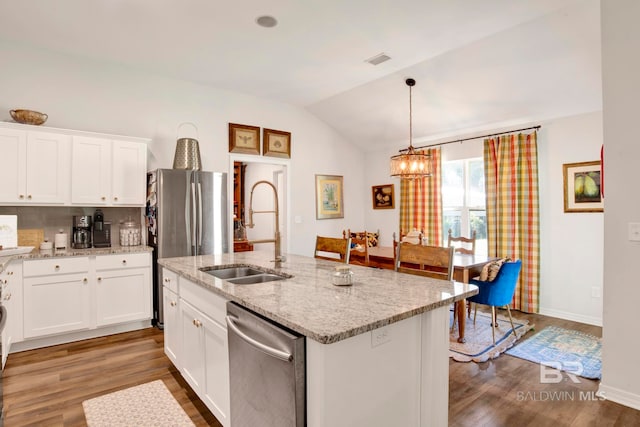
(511,185)
(421,202)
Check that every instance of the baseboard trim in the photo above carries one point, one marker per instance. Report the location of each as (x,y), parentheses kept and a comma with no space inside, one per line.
(33,343)
(589,320)
(619,396)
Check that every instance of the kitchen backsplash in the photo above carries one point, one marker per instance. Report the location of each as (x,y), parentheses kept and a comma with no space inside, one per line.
(52,219)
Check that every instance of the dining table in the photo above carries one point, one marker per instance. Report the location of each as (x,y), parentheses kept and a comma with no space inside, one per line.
(464,267)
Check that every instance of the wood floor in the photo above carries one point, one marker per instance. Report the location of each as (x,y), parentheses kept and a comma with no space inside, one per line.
(46,387)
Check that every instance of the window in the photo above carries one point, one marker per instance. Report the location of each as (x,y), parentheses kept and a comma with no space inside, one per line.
(463,200)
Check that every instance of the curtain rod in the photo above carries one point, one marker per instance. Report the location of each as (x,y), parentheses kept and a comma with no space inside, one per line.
(473,137)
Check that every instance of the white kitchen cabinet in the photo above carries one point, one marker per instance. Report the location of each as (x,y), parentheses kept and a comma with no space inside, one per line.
(123,288)
(11,281)
(34,167)
(56,302)
(171,306)
(205,359)
(90,171)
(129,173)
(67,167)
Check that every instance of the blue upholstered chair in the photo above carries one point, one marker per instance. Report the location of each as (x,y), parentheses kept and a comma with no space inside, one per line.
(498,293)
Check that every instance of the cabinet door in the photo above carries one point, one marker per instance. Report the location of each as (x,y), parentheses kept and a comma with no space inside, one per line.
(90,170)
(205,359)
(55,304)
(171,326)
(47,168)
(12,165)
(123,295)
(12,300)
(129,173)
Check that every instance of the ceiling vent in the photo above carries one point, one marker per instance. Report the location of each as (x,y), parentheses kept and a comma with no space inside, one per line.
(378,59)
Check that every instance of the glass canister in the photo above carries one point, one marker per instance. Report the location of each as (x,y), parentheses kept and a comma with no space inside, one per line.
(129,233)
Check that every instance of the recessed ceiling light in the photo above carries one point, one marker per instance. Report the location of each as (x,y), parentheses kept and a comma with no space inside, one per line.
(266,21)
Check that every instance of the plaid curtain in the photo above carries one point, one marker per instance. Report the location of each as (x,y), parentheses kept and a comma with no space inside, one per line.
(511,180)
(421,202)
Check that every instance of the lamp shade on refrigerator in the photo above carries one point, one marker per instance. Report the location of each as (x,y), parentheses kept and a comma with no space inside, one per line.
(186,216)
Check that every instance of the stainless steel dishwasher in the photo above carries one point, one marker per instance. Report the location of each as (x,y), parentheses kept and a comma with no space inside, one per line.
(266,371)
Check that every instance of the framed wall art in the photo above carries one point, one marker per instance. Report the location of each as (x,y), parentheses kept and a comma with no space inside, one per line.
(276,143)
(382,196)
(244,139)
(582,191)
(329,200)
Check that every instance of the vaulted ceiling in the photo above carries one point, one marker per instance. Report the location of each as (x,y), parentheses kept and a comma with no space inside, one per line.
(479,65)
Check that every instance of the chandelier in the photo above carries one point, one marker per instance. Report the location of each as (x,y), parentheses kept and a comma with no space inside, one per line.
(410,164)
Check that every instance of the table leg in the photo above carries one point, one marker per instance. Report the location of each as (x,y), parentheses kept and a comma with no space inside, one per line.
(461,308)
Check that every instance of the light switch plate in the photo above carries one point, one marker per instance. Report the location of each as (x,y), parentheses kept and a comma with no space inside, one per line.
(634,231)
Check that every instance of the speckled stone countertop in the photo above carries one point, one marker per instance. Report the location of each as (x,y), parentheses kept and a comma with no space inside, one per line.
(38,254)
(311,305)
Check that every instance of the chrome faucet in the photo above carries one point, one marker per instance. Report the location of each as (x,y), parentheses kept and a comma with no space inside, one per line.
(276,240)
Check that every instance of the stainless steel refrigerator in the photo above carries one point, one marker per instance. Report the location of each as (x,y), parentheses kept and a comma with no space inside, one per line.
(186,215)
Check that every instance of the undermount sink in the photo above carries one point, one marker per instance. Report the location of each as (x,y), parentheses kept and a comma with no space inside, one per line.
(243,274)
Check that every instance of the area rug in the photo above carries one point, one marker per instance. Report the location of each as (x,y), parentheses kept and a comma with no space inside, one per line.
(146,405)
(479,343)
(564,349)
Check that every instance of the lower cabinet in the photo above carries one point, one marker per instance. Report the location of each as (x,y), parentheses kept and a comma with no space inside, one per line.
(196,342)
(171,325)
(63,295)
(11,282)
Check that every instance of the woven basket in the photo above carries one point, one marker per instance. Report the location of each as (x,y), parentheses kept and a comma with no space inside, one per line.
(28,117)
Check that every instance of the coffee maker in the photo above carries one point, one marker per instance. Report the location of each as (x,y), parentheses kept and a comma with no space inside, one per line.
(81,232)
(101,231)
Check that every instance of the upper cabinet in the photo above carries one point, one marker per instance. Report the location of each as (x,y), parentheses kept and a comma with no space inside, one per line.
(108,172)
(66,167)
(34,167)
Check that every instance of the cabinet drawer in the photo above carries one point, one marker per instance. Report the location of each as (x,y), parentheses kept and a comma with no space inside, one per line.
(170,280)
(110,262)
(210,303)
(45,267)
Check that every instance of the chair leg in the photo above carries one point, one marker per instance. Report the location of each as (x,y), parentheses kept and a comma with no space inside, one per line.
(511,320)
(493,329)
(453,324)
(475,313)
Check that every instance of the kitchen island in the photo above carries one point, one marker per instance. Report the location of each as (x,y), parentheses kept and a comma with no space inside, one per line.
(377,351)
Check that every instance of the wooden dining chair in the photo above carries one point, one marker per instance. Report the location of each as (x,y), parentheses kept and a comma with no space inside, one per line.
(341,248)
(423,260)
(359,254)
(460,248)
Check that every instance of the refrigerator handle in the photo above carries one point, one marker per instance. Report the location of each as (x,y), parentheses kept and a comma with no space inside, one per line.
(193,215)
(199,216)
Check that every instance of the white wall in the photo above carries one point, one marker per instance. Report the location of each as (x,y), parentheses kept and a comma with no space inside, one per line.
(621,89)
(95,96)
(571,244)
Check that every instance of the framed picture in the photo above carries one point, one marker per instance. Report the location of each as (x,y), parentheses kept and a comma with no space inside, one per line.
(244,139)
(382,196)
(582,187)
(329,202)
(276,143)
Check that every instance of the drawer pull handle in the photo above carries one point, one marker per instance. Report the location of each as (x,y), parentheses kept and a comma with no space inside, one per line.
(8,297)
(173,303)
(99,279)
(29,197)
(124,261)
(57,267)
(115,199)
(197,323)
(167,280)
(103,198)
(85,280)
(21,196)
(10,273)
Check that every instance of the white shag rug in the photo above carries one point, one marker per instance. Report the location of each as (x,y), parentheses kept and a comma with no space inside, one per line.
(145,405)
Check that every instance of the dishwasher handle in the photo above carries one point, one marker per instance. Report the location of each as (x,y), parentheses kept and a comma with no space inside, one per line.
(279,354)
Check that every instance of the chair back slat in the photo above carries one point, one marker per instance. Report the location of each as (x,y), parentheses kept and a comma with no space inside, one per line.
(335,245)
(469,241)
(423,260)
(359,254)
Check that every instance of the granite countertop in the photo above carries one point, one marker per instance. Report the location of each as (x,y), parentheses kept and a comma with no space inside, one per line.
(38,254)
(311,305)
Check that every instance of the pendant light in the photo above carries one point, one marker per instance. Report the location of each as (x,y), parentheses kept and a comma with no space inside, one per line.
(410,164)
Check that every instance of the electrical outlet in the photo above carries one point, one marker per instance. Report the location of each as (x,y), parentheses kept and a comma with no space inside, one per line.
(380,336)
(596,292)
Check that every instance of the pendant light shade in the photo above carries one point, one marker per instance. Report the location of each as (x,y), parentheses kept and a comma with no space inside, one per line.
(410,164)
